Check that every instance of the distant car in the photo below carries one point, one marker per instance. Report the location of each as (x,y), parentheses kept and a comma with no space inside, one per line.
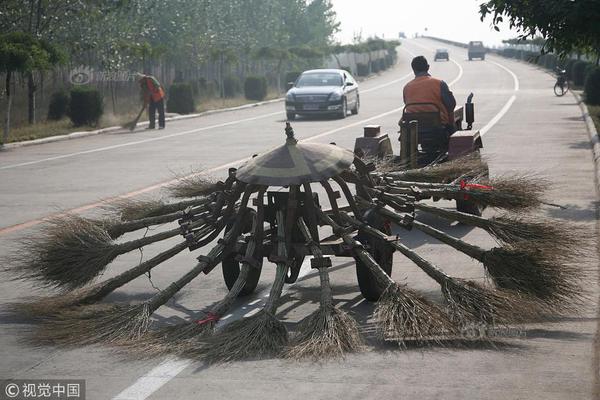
(476,50)
(441,54)
(402,35)
(322,92)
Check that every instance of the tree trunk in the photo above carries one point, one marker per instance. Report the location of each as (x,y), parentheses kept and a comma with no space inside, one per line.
(8,107)
(31,97)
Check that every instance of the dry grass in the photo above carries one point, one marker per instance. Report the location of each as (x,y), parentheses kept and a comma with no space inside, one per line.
(404,316)
(328,332)
(261,335)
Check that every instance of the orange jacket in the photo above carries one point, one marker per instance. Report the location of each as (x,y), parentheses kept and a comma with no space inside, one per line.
(152,89)
(426,89)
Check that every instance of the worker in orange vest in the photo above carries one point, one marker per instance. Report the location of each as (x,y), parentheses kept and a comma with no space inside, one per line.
(154,97)
(427,89)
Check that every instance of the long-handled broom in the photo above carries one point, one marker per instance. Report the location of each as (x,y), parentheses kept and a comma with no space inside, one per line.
(329,331)
(467,301)
(122,323)
(402,314)
(132,124)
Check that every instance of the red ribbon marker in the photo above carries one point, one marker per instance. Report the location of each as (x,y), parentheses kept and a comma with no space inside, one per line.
(210,317)
(466,186)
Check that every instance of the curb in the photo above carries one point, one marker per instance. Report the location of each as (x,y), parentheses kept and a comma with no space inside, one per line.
(77,135)
(593,135)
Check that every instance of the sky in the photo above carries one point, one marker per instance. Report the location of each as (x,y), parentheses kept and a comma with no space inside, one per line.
(456,20)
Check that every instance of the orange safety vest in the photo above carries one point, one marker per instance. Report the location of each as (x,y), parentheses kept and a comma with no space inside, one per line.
(426,89)
(153,88)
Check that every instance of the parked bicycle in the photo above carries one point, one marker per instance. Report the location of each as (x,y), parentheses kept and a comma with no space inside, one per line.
(562,83)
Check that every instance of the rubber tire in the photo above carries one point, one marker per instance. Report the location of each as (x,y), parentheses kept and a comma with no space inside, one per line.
(344,111)
(468,207)
(356,108)
(384,256)
(231,271)
(290,116)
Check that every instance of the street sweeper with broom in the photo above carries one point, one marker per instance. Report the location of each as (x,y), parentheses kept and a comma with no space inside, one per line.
(154,97)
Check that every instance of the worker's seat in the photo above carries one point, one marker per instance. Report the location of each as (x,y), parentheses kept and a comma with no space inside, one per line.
(433,135)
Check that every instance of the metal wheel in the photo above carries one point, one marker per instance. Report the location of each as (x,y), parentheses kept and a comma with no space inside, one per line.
(382,253)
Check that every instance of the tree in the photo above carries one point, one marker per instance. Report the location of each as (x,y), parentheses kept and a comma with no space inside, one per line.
(566,25)
(22,53)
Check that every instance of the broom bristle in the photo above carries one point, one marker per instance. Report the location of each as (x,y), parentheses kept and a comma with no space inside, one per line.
(99,323)
(193,185)
(512,192)
(468,302)
(404,316)
(134,209)
(469,165)
(179,340)
(51,305)
(328,332)
(546,276)
(69,253)
(261,335)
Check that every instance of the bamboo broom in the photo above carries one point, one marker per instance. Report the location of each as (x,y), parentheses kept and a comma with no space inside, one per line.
(328,332)
(467,301)
(402,315)
(119,323)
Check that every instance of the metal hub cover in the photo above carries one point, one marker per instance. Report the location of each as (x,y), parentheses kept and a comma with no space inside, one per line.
(295,163)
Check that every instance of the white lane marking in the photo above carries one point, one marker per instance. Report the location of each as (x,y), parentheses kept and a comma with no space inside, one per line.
(170,367)
(116,146)
(153,380)
(387,84)
(514,76)
(498,116)
(460,72)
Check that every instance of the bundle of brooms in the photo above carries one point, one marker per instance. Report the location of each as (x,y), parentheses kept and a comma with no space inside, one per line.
(532,269)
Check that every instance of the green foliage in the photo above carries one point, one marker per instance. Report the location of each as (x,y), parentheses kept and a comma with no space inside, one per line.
(59,105)
(592,86)
(567,26)
(569,68)
(292,76)
(375,66)
(21,52)
(181,99)
(579,73)
(86,106)
(231,86)
(347,69)
(255,88)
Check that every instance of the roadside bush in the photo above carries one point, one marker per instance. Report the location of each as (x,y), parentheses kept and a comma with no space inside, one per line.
(231,86)
(569,68)
(347,69)
(374,66)
(551,61)
(510,53)
(579,73)
(181,98)
(59,105)
(291,76)
(86,106)
(382,65)
(592,86)
(362,69)
(212,89)
(255,88)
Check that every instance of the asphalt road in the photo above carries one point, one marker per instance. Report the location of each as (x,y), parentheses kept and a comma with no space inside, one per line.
(526,129)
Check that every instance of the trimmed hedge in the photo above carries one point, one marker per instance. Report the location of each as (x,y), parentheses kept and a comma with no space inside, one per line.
(231,86)
(86,106)
(362,69)
(579,73)
(181,98)
(569,68)
(59,105)
(255,88)
(375,66)
(592,86)
(347,69)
